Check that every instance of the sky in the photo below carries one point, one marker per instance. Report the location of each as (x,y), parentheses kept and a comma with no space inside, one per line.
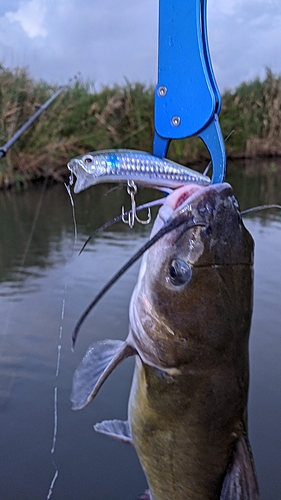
(111,41)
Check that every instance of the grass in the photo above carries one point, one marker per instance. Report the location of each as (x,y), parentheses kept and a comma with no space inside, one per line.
(82,120)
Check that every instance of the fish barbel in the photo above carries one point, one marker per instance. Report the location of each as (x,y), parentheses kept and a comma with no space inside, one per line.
(190,317)
(121,165)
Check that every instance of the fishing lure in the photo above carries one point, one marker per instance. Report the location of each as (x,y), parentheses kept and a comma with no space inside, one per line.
(123,165)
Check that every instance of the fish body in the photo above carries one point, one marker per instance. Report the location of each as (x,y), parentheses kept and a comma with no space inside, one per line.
(121,165)
(190,317)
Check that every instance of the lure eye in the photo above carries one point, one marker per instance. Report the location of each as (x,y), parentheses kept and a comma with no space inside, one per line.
(88,159)
(180,272)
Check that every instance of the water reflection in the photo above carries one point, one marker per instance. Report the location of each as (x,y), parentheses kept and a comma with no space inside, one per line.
(38,271)
(256,182)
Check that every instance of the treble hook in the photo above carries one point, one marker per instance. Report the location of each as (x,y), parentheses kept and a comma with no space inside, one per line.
(132,215)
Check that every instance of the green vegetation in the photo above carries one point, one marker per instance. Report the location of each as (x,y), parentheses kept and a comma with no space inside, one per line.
(82,120)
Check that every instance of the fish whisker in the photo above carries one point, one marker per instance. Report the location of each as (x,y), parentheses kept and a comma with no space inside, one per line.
(260,207)
(118,218)
(164,230)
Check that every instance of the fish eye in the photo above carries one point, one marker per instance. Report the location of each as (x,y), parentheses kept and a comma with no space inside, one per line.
(180,272)
(88,159)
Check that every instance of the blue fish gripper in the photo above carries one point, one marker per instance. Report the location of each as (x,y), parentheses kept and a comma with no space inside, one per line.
(187,98)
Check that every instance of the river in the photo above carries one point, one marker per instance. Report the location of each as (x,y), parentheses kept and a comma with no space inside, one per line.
(45,286)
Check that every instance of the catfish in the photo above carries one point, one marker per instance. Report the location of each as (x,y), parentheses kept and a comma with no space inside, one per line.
(190,317)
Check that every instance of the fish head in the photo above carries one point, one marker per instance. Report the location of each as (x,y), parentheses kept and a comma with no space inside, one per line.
(87,168)
(193,298)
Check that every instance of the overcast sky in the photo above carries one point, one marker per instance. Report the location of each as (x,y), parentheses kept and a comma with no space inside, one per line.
(110,40)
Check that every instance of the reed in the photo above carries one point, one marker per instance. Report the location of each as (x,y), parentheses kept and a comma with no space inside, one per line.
(82,120)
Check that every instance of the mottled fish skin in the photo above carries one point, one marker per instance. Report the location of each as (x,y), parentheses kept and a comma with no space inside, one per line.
(121,165)
(188,399)
(190,317)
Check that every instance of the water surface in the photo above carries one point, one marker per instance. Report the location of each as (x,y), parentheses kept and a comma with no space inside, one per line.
(44,287)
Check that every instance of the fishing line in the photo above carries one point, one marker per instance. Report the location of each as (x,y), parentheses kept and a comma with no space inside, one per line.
(11,305)
(23,259)
(53,482)
(59,347)
(55,417)
(8,316)
(67,187)
(165,229)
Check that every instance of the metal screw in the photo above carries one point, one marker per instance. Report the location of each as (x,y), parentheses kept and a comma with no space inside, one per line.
(162,91)
(176,121)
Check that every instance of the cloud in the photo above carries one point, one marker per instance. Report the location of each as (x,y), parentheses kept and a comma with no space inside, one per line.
(109,40)
(244,39)
(106,40)
(30,16)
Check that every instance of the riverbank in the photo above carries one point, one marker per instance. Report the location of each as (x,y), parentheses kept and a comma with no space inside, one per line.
(82,120)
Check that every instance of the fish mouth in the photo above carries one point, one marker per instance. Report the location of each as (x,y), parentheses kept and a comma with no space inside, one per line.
(73,166)
(83,178)
(186,199)
(178,199)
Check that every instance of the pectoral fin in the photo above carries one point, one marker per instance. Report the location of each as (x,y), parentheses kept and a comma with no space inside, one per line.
(117,429)
(99,361)
(240,482)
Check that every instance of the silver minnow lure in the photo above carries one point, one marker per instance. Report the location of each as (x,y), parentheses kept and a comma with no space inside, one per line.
(122,165)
